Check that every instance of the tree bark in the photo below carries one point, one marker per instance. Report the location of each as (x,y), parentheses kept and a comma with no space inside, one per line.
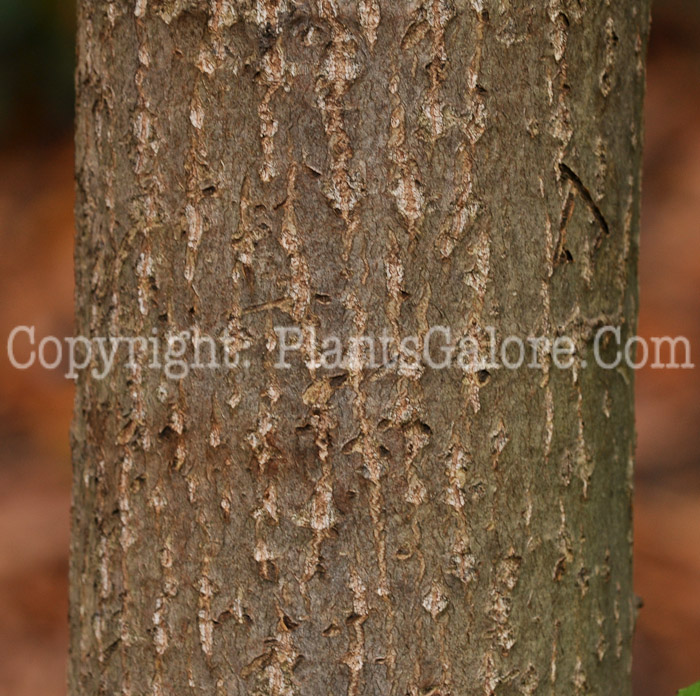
(352,166)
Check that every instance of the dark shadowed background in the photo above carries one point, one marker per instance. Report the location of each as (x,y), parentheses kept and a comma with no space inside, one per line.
(36,287)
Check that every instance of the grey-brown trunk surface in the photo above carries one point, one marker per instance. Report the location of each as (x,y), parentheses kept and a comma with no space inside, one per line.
(355,166)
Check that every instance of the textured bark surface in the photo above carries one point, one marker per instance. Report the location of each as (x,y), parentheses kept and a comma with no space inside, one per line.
(354,166)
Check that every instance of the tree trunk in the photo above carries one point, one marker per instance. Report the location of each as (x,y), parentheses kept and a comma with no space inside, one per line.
(351,166)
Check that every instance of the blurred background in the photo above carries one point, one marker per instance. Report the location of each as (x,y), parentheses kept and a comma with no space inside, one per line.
(36,287)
